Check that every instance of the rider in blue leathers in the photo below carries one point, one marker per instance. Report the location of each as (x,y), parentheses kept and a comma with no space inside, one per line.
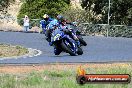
(60,23)
(44,22)
(51,26)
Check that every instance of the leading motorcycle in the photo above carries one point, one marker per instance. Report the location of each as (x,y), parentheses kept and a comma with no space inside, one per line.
(63,42)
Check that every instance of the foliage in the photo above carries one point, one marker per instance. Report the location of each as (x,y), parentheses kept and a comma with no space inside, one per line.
(37,8)
(78,15)
(113,30)
(120,11)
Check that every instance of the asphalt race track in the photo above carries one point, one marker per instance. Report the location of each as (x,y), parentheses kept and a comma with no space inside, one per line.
(99,49)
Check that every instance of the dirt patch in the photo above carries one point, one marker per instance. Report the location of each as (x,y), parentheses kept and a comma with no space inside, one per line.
(10,27)
(9,51)
(16,69)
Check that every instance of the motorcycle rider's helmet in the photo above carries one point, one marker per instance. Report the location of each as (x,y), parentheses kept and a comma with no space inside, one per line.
(60,18)
(45,16)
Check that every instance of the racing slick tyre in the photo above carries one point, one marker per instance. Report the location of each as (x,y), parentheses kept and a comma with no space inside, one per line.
(80,51)
(57,51)
(82,41)
(66,49)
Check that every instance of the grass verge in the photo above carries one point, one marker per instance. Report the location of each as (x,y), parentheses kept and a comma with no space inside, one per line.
(9,50)
(62,76)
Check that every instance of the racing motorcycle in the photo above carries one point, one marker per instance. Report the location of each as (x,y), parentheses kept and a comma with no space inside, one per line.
(77,32)
(63,42)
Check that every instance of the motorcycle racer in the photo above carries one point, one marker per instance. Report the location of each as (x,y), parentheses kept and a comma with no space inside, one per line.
(44,22)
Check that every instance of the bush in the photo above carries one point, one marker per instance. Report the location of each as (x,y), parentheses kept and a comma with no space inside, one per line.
(35,9)
(113,30)
(78,14)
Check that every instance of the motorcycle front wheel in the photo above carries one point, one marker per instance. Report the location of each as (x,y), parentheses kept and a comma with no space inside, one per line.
(80,51)
(67,49)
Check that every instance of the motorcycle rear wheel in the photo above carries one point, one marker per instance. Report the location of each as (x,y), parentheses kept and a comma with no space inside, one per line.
(82,41)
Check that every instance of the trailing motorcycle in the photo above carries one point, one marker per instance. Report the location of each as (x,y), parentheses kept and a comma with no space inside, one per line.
(77,32)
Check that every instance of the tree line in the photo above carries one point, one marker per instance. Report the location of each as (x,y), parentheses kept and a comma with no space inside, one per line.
(120,10)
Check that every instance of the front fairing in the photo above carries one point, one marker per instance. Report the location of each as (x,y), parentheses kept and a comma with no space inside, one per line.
(57,35)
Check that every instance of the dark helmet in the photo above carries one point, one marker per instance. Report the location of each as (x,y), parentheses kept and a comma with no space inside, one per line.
(60,18)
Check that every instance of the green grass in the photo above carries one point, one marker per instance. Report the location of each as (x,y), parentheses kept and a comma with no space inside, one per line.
(60,79)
